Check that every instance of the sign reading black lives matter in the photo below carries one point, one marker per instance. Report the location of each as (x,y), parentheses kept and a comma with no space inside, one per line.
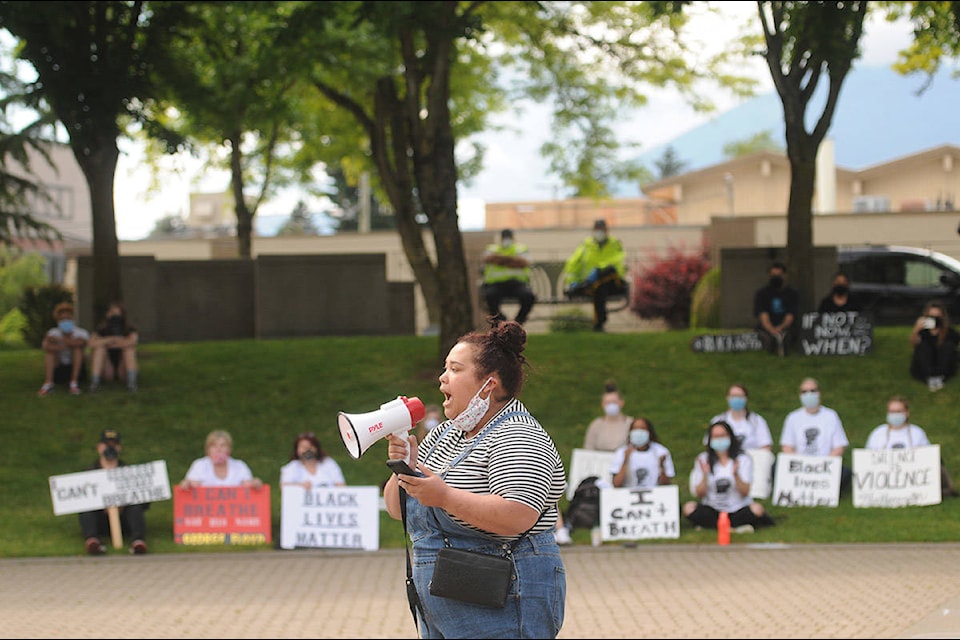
(839,333)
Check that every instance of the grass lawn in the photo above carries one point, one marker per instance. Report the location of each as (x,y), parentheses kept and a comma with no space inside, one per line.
(266,391)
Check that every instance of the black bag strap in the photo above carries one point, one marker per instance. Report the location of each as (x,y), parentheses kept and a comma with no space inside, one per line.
(413,598)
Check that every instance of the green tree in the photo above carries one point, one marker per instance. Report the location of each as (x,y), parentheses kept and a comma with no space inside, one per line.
(807,43)
(762,141)
(669,164)
(420,77)
(18,271)
(168,226)
(229,81)
(300,223)
(93,64)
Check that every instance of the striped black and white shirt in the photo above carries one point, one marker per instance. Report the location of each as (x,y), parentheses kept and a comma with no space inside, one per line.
(517,459)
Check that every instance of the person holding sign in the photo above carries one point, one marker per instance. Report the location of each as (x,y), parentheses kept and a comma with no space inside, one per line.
(935,344)
(218,468)
(750,428)
(96,524)
(310,466)
(776,306)
(815,430)
(643,462)
(899,433)
(721,480)
(838,300)
(487,481)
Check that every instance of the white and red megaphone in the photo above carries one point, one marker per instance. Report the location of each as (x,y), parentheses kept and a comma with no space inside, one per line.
(360,430)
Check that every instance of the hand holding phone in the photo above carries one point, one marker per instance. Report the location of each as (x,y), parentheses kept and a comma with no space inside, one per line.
(400,467)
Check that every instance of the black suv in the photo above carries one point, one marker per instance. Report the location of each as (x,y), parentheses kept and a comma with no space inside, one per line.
(891,284)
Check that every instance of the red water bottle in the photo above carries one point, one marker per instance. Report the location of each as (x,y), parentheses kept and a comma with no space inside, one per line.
(723,528)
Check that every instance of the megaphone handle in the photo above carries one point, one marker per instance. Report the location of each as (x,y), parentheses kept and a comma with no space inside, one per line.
(406,438)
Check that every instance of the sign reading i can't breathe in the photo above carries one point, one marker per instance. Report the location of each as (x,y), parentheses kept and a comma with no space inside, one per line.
(839,333)
(101,488)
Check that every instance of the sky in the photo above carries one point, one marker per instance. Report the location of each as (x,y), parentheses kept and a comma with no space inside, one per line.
(514,170)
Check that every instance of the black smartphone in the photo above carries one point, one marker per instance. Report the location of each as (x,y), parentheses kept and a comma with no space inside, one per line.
(402,468)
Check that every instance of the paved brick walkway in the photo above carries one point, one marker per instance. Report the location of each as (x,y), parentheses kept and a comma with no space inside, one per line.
(652,591)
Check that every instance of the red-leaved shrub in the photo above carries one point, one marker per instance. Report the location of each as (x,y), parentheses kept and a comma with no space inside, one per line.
(664,286)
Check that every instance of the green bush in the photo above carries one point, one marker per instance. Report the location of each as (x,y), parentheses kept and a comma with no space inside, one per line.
(12,326)
(705,301)
(37,305)
(18,271)
(570,321)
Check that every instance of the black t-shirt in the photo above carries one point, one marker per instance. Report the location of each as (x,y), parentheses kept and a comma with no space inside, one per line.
(777,302)
(827,305)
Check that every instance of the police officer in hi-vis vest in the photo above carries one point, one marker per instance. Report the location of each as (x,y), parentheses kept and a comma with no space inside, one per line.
(506,274)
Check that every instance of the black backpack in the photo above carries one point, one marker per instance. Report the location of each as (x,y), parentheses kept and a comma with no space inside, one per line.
(584,509)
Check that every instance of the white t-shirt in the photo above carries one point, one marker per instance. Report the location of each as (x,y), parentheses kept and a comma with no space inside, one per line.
(752,431)
(644,466)
(722,492)
(201,470)
(328,473)
(813,434)
(65,357)
(906,437)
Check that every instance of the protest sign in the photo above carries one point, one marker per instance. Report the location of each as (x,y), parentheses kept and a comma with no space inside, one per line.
(221,515)
(896,477)
(639,514)
(840,333)
(101,488)
(807,481)
(727,342)
(330,517)
(762,483)
(585,463)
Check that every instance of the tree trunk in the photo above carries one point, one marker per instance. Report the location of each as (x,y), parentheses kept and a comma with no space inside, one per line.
(99,166)
(244,216)
(803,175)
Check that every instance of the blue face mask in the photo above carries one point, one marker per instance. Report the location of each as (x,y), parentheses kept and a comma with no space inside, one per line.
(737,403)
(65,325)
(810,399)
(720,444)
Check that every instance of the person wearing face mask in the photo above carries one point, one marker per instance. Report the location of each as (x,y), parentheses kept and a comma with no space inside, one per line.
(720,480)
(310,466)
(432,416)
(218,468)
(839,298)
(608,431)
(63,349)
(506,274)
(95,525)
(935,343)
(597,269)
(644,461)
(899,433)
(750,428)
(815,430)
(776,306)
(492,479)
(113,350)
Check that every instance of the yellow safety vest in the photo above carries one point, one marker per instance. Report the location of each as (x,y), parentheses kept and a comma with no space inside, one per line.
(499,273)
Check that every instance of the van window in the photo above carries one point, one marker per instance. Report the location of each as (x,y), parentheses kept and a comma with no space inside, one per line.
(922,273)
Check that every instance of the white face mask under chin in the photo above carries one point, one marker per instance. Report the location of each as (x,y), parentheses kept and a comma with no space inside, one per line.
(469,418)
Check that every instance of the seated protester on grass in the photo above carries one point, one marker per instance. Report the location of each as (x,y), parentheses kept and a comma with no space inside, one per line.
(643,462)
(113,350)
(839,297)
(95,525)
(899,433)
(63,352)
(218,468)
(597,269)
(776,307)
(310,466)
(720,481)
(935,343)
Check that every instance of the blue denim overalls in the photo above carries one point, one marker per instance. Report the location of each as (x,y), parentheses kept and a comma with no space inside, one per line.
(535,605)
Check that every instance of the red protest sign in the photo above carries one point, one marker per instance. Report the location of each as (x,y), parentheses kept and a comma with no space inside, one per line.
(221,515)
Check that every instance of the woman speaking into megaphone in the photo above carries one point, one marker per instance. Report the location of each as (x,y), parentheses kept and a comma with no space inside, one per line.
(491,480)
